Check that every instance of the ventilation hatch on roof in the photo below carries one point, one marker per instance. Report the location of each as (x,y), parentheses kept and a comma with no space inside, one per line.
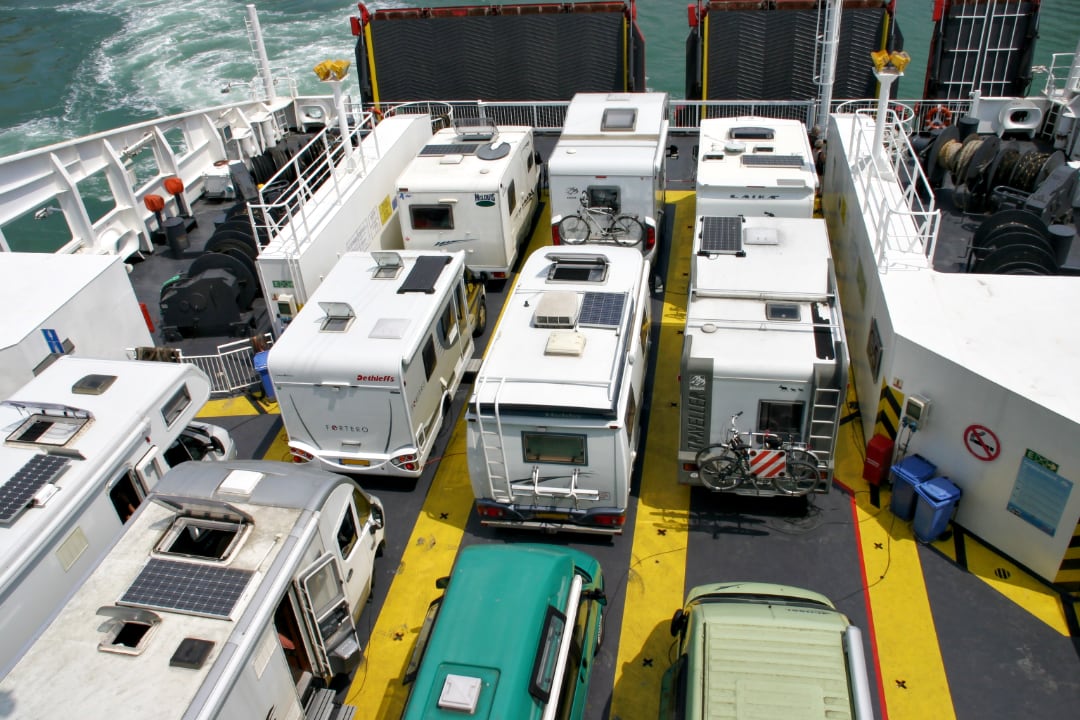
(339,316)
(556,310)
(565,342)
(460,692)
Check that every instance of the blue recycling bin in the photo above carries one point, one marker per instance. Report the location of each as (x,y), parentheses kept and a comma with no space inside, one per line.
(905,476)
(937,500)
(260,363)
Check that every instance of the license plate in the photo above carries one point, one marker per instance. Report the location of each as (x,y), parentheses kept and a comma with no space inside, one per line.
(359,462)
(549,516)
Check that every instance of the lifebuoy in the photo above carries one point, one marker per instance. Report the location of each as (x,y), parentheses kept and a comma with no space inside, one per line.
(938,117)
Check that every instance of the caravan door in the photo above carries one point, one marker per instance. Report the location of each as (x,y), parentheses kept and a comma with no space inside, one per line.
(329,619)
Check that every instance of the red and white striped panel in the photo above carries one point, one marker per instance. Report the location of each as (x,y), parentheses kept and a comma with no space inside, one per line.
(768,463)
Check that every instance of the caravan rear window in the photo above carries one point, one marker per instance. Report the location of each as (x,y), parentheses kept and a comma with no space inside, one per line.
(432,217)
(554,448)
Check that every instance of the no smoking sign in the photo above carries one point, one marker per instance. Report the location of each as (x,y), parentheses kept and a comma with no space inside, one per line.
(982,442)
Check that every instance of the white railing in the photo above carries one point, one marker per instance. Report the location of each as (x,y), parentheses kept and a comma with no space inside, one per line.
(897,199)
(232,367)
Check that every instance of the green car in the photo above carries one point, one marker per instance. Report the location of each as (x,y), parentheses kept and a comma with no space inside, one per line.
(758,650)
(496,646)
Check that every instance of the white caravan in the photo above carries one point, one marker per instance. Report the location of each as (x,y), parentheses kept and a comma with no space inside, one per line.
(82,445)
(474,188)
(366,372)
(233,593)
(54,295)
(764,340)
(755,166)
(554,417)
(612,155)
(353,209)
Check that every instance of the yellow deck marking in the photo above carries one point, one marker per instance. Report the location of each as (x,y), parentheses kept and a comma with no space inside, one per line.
(377,690)
(235,407)
(910,667)
(655,578)
(1018,585)
(279,449)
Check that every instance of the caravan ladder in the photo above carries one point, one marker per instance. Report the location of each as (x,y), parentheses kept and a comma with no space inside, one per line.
(491,445)
(824,417)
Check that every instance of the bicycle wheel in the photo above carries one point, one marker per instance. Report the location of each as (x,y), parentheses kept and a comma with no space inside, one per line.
(627,231)
(801,475)
(573,230)
(719,467)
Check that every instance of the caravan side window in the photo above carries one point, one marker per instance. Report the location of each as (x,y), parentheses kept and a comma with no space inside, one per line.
(176,405)
(448,325)
(428,354)
(124,496)
(356,516)
(511,198)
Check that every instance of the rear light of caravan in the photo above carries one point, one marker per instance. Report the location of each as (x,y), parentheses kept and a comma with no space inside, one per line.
(556,239)
(489,511)
(690,467)
(650,237)
(609,519)
(407,461)
(299,456)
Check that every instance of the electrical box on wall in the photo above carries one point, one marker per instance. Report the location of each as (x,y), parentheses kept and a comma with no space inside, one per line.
(916,409)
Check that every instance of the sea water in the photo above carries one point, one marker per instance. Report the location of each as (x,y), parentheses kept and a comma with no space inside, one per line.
(71,68)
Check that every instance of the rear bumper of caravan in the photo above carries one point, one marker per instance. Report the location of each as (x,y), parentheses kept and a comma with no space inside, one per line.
(596,521)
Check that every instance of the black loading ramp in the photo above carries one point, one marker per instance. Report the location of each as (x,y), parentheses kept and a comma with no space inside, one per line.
(769,50)
(981,46)
(539,52)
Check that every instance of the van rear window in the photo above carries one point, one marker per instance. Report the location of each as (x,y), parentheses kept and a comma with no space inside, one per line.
(432,217)
(553,448)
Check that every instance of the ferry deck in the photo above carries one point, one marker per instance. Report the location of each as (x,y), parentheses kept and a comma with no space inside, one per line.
(954,628)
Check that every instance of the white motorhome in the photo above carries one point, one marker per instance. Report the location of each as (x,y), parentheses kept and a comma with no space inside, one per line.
(554,417)
(764,339)
(233,593)
(755,166)
(475,188)
(82,445)
(365,374)
(53,294)
(352,210)
(611,154)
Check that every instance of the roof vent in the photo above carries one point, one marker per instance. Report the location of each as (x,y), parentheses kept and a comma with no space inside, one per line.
(191,653)
(478,128)
(761,236)
(460,692)
(556,310)
(93,384)
(565,342)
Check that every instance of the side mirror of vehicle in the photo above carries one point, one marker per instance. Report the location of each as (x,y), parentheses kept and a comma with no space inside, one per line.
(678,623)
(442,582)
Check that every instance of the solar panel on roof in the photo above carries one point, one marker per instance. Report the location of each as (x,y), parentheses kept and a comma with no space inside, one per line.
(186,587)
(15,494)
(773,160)
(451,149)
(721,235)
(602,309)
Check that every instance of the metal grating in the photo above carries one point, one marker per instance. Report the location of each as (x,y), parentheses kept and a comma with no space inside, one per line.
(451,149)
(602,309)
(773,160)
(721,235)
(187,587)
(16,493)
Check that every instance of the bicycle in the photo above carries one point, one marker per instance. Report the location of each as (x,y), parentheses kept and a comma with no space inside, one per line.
(624,230)
(778,464)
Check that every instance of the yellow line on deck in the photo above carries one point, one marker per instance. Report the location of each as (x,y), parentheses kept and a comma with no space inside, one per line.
(1012,581)
(236,406)
(910,667)
(654,581)
(377,690)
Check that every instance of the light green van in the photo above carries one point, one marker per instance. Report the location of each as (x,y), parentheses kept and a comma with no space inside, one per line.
(758,650)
